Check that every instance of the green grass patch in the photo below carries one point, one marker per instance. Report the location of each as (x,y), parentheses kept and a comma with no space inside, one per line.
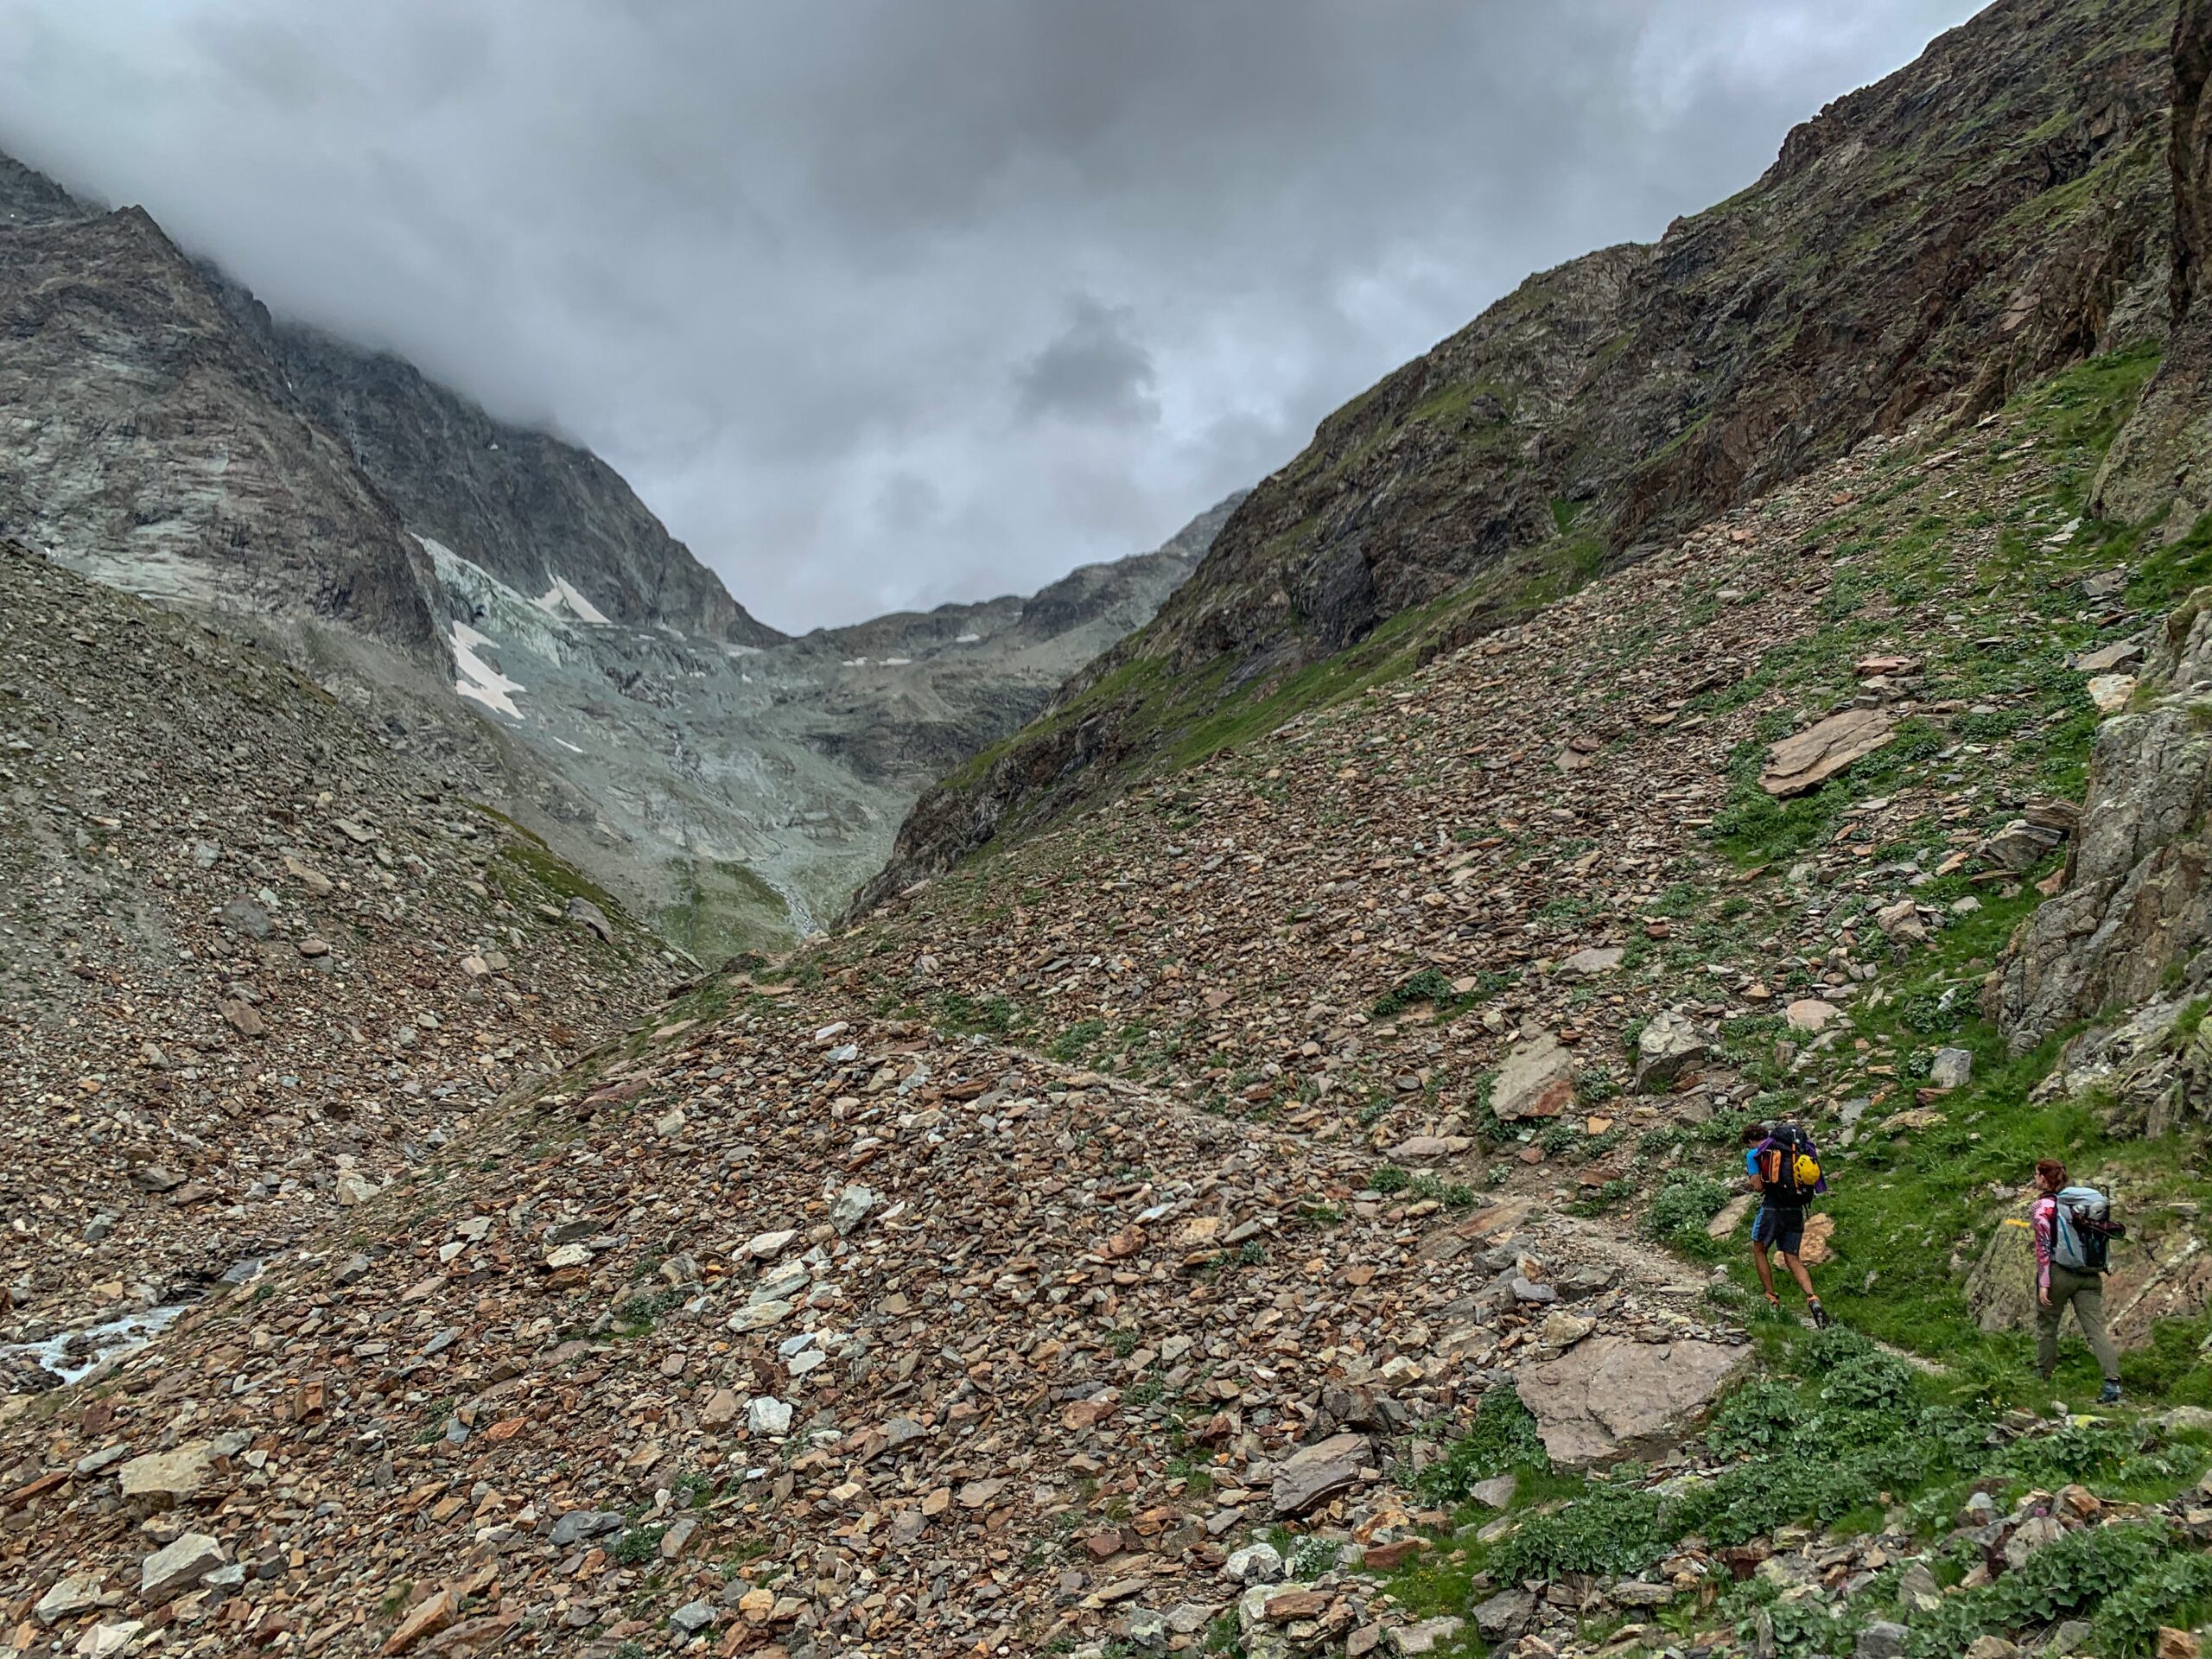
(721,909)
(1834,1434)
(557,877)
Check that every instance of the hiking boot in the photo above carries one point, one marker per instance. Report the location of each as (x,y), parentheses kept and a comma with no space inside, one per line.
(2109,1395)
(1819,1314)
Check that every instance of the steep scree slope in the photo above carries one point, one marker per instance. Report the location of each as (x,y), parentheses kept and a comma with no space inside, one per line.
(1993,211)
(247,955)
(841,1313)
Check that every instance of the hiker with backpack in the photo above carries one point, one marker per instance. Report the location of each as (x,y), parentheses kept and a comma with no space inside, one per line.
(2074,1230)
(1784,1167)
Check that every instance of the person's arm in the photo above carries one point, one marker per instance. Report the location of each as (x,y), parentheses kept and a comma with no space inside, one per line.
(1751,1169)
(2041,1217)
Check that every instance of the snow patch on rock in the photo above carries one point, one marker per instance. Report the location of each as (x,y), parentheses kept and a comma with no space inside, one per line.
(479,679)
(563,596)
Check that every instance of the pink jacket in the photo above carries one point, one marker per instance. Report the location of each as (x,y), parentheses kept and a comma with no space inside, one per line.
(2043,1217)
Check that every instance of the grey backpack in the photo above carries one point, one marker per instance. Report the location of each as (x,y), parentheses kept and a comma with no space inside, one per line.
(2081,1230)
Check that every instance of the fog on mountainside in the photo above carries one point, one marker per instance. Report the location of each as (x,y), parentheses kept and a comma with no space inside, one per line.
(495,599)
(878,306)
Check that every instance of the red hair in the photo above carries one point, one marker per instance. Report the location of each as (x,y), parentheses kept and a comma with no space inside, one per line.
(2050,1173)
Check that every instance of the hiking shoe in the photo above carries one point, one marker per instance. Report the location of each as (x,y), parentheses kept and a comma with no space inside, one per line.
(2109,1395)
(1819,1314)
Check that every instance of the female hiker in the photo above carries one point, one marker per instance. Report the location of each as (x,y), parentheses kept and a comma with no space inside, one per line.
(2072,1224)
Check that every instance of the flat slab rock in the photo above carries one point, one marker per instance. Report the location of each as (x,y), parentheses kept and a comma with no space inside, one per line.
(1318,1471)
(173,1474)
(1610,1397)
(1808,758)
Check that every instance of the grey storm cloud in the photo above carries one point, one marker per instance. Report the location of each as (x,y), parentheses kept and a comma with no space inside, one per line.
(880,304)
(1094,371)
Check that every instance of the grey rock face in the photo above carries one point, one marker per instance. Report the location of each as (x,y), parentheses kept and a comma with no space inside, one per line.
(528,508)
(1667,1047)
(1255,1563)
(495,598)
(1504,1615)
(1537,1080)
(1318,1471)
(852,1208)
(2136,899)
(2160,465)
(1951,1068)
(178,1566)
(218,489)
(579,1524)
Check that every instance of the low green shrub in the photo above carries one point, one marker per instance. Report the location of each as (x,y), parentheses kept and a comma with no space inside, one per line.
(1763,1415)
(1502,1440)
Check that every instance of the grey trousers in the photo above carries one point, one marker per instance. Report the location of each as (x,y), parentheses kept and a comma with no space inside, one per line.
(2085,1293)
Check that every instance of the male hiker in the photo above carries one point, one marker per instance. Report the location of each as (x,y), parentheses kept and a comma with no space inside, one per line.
(1785,1171)
(2072,1226)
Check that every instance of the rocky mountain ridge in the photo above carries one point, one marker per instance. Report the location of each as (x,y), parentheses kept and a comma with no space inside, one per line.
(496,600)
(1987,214)
(548,518)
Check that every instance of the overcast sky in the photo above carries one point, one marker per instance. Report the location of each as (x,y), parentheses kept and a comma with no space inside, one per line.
(883,302)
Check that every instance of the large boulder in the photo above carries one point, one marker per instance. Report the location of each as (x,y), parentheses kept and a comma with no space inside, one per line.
(1610,1397)
(1537,1080)
(1668,1045)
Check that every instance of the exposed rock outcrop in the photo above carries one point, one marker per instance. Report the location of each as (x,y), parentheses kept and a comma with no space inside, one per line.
(2161,464)
(2137,896)
(2163,1273)
(2137,903)
(535,511)
(152,445)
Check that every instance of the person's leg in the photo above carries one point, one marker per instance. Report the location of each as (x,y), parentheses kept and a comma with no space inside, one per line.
(2088,1300)
(1792,1242)
(2048,1313)
(1762,1237)
(1796,1263)
(1786,1234)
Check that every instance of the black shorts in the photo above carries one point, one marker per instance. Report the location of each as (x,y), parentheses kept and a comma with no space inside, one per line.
(1780,1230)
